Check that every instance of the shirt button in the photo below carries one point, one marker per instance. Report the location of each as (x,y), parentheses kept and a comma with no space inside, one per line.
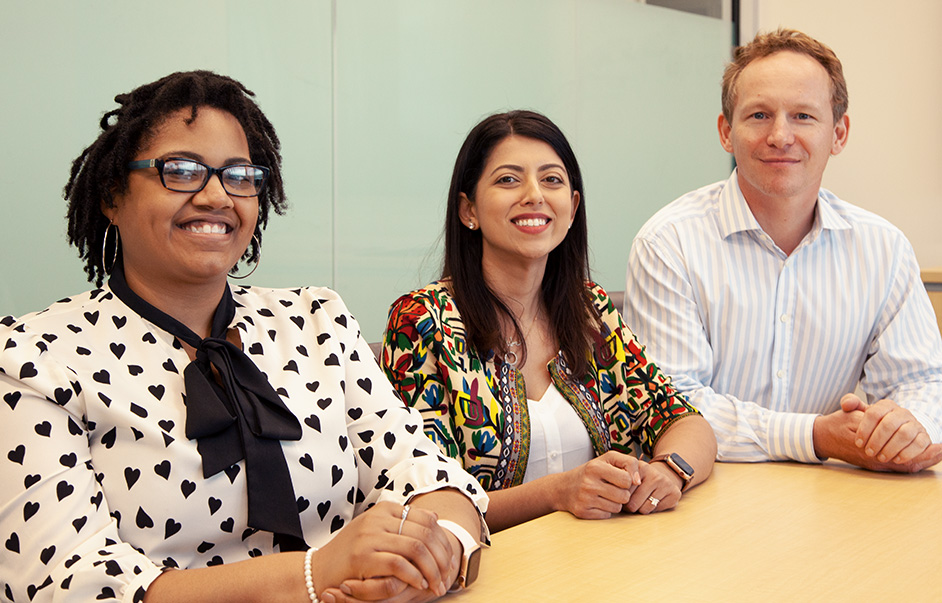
(554,454)
(783,317)
(780,374)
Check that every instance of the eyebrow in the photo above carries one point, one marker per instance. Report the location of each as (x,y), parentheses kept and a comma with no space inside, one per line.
(517,168)
(200,158)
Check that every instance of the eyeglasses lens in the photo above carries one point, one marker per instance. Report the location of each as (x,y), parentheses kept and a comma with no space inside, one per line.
(190,176)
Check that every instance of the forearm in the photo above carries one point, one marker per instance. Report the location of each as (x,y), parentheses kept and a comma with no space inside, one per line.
(522,503)
(271,578)
(692,438)
(452,505)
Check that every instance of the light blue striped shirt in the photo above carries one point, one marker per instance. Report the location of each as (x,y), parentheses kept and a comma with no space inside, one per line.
(762,342)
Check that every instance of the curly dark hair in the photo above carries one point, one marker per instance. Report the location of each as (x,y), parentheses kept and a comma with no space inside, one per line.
(102,170)
(564,293)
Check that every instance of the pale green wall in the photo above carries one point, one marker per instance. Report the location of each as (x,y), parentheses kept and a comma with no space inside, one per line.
(371,99)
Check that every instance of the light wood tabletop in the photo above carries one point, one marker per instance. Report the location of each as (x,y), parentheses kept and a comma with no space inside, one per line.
(752,532)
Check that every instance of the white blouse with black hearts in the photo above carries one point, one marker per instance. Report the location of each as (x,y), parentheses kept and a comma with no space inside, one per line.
(102,490)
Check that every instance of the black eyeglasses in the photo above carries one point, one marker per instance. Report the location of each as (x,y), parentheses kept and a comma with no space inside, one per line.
(191,176)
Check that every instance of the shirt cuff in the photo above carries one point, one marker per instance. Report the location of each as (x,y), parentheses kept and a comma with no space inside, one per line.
(932,428)
(791,437)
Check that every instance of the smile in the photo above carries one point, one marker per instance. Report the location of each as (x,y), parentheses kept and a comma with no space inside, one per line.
(206,228)
(532,222)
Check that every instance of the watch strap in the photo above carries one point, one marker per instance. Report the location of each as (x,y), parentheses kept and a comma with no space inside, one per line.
(470,547)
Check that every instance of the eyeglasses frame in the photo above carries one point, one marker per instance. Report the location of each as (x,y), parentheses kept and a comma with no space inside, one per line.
(159,164)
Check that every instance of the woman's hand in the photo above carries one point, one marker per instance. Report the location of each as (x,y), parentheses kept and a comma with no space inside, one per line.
(658,481)
(372,561)
(598,489)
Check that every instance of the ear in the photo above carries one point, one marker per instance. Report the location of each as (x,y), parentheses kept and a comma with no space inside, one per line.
(466,209)
(724,128)
(110,211)
(841,131)
(575,205)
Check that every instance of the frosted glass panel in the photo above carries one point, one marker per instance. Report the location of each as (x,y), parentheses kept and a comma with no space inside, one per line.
(371,99)
(635,88)
(65,61)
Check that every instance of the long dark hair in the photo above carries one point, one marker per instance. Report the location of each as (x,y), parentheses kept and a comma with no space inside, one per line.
(569,307)
(102,168)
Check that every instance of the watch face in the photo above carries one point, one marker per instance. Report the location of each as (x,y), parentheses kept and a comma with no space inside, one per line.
(474,564)
(681,463)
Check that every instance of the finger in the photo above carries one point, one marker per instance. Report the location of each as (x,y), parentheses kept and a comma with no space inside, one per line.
(916,447)
(871,435)
(422,526)
(616,469)
(392,559)
(414,548)
(905,436)
(371,589)
(639,497)
(852,402)
(930,457)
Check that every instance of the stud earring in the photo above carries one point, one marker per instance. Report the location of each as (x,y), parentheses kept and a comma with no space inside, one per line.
(471,224)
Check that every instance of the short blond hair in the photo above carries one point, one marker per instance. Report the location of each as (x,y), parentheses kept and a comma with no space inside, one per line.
(781,39)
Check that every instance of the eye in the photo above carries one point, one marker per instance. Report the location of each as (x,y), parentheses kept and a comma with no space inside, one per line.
(553,179)
(758,115)
(179,170)
(803,116)
(507,179)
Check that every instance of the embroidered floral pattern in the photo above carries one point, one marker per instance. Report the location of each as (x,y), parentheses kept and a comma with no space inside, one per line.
(474,406)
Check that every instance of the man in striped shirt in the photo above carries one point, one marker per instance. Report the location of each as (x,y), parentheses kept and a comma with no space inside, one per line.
(769,300)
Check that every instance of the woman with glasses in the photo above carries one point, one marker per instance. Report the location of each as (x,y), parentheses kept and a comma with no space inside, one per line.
(171,437)
(520,365)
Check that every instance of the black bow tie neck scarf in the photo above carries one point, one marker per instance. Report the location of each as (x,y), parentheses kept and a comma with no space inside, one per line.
(238,417)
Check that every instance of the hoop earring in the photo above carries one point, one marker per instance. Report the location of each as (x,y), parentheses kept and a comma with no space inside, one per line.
(104,247)
(258,245)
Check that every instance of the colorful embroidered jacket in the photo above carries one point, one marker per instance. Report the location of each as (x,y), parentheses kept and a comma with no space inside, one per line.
(474,406)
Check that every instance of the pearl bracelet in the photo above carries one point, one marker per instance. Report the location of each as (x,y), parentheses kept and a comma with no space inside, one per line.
(308,579)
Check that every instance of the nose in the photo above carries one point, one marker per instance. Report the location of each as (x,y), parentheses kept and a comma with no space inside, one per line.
(532,194)
(781,134)
(213,194)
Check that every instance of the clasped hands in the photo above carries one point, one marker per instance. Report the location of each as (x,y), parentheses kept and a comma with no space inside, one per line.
(616,482)
(880,437)
(370,560)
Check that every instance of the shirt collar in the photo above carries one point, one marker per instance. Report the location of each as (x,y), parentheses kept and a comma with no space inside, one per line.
(735,215)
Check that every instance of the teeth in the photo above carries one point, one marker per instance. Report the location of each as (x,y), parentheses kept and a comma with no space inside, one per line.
(206,228)
(532,222)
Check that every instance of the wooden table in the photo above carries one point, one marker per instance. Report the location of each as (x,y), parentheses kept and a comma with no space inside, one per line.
(753,532)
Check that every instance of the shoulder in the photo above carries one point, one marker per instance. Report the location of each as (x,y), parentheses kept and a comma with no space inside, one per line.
(55,336)
(859,218)
(320,307)
(434,298)
(692,207)
(73,314)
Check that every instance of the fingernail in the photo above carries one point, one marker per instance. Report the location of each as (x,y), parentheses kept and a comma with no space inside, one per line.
(859,442)
(424,584)
(441,589)
(869,451)
(346,589)
(882,458)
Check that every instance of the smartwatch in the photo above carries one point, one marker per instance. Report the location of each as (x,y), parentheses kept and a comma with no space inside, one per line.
(470,557)
(679,466)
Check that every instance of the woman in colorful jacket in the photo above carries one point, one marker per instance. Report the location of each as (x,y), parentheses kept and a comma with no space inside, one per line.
(520,365)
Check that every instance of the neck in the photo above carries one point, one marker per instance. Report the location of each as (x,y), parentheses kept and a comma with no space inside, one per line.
(192,304)
(518,286)
(786,220)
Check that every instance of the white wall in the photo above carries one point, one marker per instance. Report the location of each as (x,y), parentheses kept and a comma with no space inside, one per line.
(892,57)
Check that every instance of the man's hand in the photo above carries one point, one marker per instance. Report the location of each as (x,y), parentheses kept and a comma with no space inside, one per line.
(881,437)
